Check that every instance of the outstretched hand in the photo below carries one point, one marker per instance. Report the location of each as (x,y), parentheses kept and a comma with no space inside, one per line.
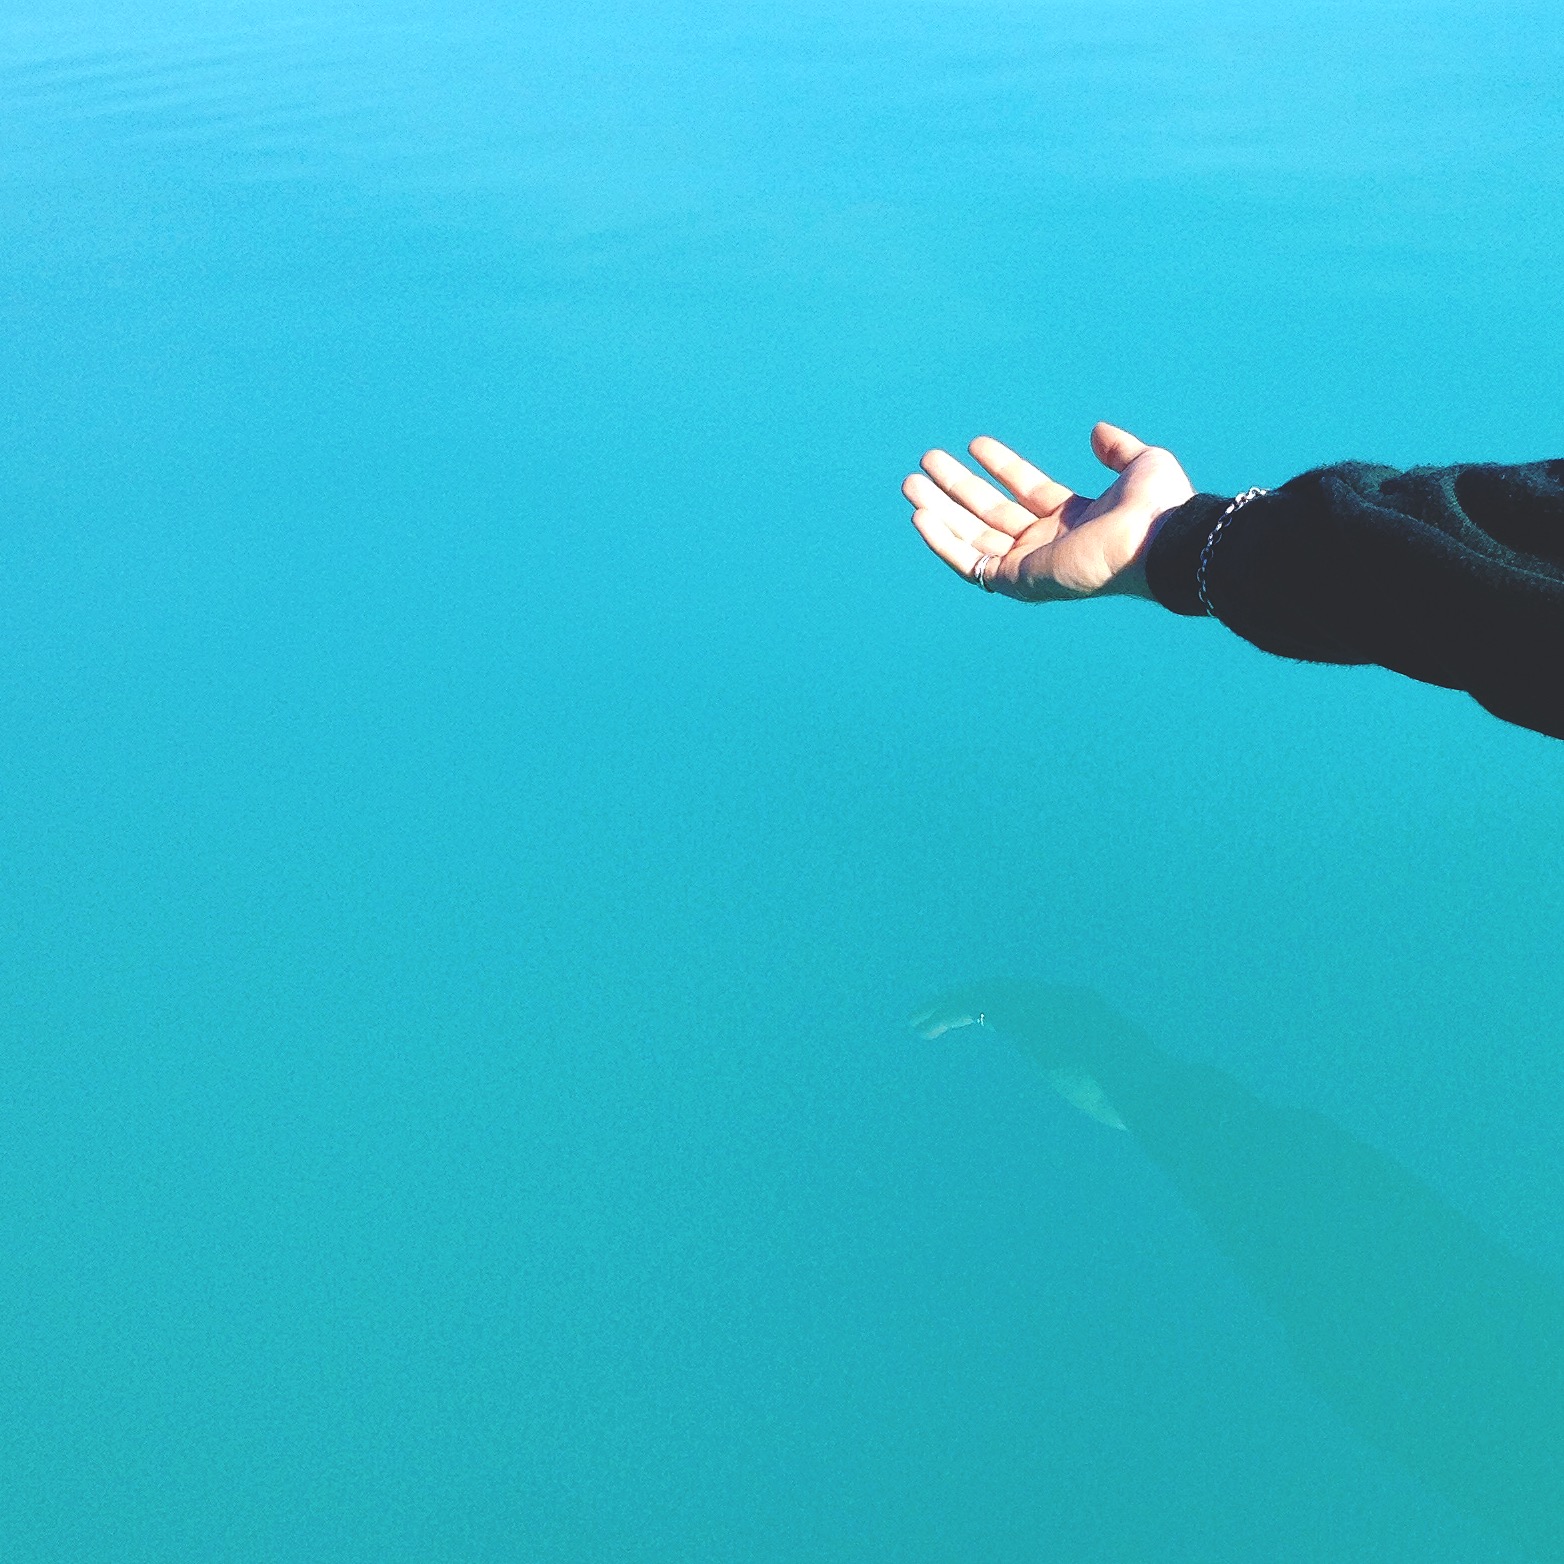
(1054,1022)
(1089,1053)
(1047,543)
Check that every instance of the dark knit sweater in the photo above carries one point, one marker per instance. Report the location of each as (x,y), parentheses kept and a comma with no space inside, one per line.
(1452,575)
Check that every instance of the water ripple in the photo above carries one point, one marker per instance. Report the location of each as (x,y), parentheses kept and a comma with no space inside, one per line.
(605,117)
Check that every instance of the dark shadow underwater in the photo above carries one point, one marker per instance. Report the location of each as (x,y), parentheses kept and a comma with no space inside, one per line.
(1428,1338)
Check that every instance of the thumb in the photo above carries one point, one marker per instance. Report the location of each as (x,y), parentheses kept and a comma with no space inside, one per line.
(1115,447)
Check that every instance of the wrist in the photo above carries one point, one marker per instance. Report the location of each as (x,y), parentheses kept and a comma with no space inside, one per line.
(1132,580)
(1171,558)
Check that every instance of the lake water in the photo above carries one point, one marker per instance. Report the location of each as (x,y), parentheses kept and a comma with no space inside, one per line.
(488,769)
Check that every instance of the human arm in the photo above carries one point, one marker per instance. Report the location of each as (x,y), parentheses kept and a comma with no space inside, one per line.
(1450,575)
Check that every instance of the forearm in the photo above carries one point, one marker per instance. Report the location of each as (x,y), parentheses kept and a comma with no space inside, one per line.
(1454,576)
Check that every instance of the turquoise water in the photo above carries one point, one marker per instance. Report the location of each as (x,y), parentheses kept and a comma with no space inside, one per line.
(488,770)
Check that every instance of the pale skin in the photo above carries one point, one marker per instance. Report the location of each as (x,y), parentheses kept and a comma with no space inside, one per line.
(1048,543)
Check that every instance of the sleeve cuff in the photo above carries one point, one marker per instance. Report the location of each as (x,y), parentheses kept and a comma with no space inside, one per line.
(1173,559)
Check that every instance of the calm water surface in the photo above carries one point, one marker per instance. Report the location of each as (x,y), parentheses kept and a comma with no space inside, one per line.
(488,769)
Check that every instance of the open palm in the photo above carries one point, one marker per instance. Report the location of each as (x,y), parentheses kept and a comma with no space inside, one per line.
(1047,542)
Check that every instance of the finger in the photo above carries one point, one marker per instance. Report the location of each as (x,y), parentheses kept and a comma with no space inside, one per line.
(1033,487)
(1115,447)
(963,1008)
(958,554)
(981,498)
(930,1024)
(960,521)
(1004,576)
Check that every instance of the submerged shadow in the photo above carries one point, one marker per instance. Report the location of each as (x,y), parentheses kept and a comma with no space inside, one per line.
(1436,1344)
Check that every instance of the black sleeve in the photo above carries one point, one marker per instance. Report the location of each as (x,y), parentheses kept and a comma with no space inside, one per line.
(1451,575)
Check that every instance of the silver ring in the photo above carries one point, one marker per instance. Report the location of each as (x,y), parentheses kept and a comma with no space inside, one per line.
(980,570)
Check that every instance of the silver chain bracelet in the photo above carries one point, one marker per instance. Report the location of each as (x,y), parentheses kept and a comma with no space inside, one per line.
(1205,553)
